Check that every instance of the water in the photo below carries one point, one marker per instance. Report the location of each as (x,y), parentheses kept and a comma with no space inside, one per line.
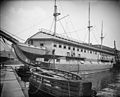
(107,83)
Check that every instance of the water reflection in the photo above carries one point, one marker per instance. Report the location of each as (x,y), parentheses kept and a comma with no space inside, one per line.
(106,83)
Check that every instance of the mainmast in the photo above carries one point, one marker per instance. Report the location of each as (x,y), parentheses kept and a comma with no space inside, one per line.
(102,35)
(55,17)
(55,14)
(89,26)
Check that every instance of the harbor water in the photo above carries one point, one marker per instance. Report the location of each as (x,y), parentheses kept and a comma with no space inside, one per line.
(106,83)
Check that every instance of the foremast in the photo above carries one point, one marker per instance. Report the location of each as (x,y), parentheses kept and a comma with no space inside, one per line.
(55,14)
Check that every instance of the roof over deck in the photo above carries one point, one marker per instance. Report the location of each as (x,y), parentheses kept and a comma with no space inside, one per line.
(45,35)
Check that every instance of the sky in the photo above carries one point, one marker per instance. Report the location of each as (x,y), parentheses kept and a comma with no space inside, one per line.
(25,18)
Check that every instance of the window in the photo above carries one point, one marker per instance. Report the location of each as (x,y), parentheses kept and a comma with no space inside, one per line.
(60,46)
(91,52)
(73,48)
(28,42)
(78,55)
(41,44)
(73,54)
(69,48)
(84,51)
(68,53)
(78,49)
(64,47)
(95,52)
(55,45)
(31,42)
(81,50)
(57,60)
(46,59)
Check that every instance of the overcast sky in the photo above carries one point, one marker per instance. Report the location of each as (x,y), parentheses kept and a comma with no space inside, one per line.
(25,18)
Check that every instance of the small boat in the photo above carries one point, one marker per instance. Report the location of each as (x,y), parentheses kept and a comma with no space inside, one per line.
(58,83)
(29,51)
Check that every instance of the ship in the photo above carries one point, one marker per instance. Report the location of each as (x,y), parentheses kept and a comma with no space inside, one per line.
(21,49)
(53,51)
(58,83)
(70,55)
(48,82)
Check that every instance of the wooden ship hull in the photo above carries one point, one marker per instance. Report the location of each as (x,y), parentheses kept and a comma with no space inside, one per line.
(29,55)
(85,68)
(58,83)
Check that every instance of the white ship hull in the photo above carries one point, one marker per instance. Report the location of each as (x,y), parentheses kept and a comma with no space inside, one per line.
(32,49)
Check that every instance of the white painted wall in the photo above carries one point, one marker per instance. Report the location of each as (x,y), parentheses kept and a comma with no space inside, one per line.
(63,52)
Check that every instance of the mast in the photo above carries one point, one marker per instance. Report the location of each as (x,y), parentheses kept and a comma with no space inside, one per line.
(114,44)
(102,35)
(55,17)
(89,26)
(55,14)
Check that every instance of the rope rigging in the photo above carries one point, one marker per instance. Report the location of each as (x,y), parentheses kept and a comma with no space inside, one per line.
(5,44)
(39,22)
(11,34)
(52,25)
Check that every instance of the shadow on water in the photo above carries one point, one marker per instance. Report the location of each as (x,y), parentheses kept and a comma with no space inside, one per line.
(106,83)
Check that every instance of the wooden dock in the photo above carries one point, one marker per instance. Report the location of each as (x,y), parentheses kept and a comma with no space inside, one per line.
(11,86)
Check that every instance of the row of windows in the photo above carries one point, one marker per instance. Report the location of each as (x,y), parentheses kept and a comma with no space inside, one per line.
(73,48)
